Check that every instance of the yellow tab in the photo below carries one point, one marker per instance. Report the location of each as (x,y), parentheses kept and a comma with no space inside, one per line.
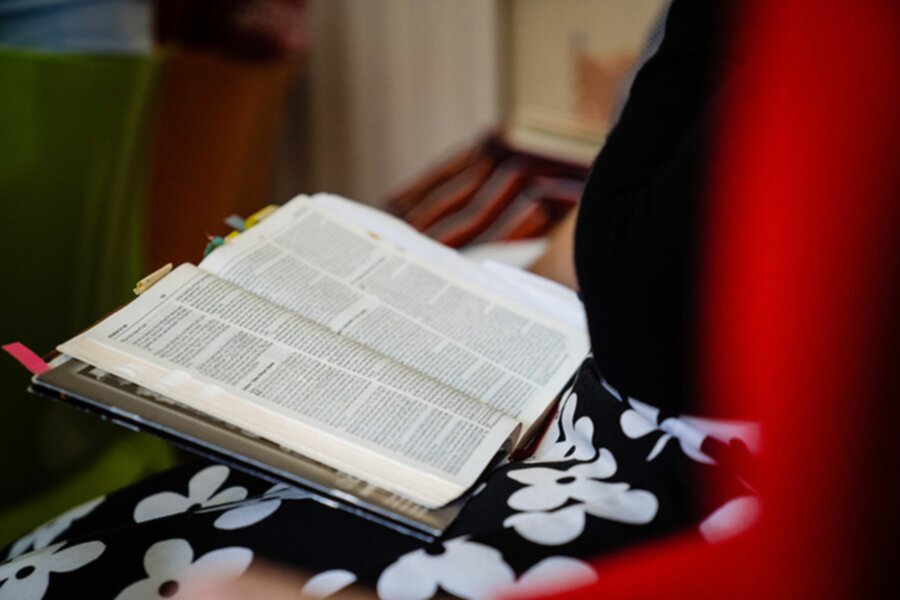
(147,282)
(259,215)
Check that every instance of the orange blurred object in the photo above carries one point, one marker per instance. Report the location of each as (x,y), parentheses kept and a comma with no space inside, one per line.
(215,131)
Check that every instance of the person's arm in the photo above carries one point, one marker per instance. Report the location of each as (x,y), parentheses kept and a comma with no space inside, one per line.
(557,262)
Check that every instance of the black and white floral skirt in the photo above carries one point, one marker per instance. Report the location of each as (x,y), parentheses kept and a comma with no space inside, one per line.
(609,473)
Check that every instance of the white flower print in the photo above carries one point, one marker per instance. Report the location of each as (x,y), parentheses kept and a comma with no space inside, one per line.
(574,441)
(612,391)
(49,531)
(258,509)
(726,431)
(549,489)
(731,519)
(549,528)
(642,419)
(471,570)
(28,576)
(326,583)
(560,572)
(562,526)
(171,567)
(635,426)
(203,491)
(463,568)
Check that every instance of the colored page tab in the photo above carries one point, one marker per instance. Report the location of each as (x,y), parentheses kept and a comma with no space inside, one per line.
(27,357)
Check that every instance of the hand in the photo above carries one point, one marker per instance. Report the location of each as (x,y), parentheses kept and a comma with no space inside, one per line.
(558,261)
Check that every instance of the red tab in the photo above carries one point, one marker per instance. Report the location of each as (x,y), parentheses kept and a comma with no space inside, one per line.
(27,357)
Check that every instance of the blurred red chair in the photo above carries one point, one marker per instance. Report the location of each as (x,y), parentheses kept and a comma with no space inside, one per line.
(802,304)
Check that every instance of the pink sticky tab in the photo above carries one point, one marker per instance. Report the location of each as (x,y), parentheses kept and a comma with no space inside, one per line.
(27,357)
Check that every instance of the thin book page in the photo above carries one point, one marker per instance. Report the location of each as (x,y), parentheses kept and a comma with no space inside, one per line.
(217,348)
(522,288)
(318,265)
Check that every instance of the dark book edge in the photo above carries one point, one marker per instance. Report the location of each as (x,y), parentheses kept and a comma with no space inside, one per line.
(111,398)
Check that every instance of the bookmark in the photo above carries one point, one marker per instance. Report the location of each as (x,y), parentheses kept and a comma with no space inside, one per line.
(259,215)
(147,282)
(236,223)
(239,225)
(214,242)
(27,357)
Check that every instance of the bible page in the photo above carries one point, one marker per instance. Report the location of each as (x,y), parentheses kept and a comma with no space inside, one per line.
(217,348)
(362,287)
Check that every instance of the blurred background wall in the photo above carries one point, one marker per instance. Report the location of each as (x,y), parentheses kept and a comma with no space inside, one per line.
(392,86)
(122,147)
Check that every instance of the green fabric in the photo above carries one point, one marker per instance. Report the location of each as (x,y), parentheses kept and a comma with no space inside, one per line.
(124,462)
(73,149)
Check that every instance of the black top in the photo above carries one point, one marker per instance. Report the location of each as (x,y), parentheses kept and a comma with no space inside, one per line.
(636,239)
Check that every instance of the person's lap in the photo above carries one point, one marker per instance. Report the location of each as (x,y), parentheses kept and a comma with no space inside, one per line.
(605,476)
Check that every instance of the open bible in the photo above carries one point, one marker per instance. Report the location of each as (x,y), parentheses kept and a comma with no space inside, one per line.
(321,338)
